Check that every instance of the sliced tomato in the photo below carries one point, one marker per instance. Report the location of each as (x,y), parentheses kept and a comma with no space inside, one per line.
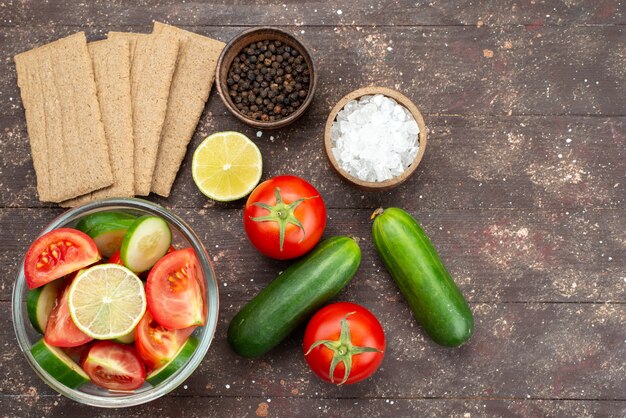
(116,258)
(58,253)
(60,330)
(157,345)
(114,366)
(174,290)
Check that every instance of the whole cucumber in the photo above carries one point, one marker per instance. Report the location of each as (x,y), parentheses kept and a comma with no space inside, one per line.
(412,261)
(293,296)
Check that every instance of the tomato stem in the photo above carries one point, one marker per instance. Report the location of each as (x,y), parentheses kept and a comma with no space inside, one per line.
(282,213)
(343,350)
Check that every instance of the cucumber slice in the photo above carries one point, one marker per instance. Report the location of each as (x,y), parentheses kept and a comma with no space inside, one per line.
(108,236)
(39,303)
(89,221)
(126,339)
(58,364)
(145,242)
(162,373)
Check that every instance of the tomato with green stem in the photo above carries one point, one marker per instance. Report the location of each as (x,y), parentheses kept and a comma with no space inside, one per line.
(284,217)
(344,343)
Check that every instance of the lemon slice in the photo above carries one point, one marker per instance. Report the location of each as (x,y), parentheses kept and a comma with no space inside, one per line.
(106,301)
(226,166)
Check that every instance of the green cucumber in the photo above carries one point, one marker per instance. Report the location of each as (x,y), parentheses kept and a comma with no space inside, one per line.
(164,372)
(293,296)
(434,298)
(146,241)
(89,221)
(39,303)
(58,365)
(108,236)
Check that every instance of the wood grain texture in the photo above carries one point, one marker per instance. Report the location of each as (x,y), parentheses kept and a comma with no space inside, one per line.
(586,365)
(444,70)
(494,255)
(470,163)
(324,12)
(36,404)
(521,189)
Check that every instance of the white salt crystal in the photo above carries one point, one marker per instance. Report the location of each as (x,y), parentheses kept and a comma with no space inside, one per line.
(374,138)
(398,113)
(350,106)
(387,105)
(335,132)
(411,127)
(378,99)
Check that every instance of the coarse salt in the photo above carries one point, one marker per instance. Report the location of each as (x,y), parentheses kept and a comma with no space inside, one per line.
(374,138)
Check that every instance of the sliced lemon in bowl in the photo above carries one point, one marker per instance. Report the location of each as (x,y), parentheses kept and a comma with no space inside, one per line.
(226,166)
(106,301)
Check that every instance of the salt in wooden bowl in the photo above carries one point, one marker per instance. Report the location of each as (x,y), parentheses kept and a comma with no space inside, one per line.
(422,139)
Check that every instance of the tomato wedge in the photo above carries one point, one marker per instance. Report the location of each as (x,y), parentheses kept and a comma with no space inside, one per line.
(174,290)
(157,345)
(60,330)
(114,366)
(58,253)
(116,258)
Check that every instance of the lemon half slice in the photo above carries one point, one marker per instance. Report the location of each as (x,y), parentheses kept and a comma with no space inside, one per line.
(106,301)
(226,166)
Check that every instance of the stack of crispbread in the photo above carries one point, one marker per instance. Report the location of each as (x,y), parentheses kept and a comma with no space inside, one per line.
(113,118)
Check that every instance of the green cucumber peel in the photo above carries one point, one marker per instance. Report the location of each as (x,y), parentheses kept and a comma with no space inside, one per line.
(39,303)
(58,364)
(146,241)
(90,221)
(177,362)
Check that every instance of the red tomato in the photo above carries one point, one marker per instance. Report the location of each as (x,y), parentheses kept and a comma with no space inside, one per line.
(284,217)
(116,258)
(114,366)
(174,290)
(157,345)
(359,350)
(58,253)
(60,329)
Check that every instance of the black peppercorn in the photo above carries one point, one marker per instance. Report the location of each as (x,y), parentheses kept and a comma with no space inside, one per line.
(268,80)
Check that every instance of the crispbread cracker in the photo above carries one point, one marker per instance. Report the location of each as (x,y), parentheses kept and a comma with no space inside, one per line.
(68,145)
(152,68)
(191,85)
(130,37)
(111,63)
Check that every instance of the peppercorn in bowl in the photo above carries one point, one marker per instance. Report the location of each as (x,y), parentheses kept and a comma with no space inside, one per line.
(266,78)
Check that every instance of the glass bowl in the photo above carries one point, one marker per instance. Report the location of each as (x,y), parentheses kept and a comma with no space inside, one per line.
(89,393)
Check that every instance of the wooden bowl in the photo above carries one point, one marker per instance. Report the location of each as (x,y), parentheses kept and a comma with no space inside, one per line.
(234,47)
(373,185)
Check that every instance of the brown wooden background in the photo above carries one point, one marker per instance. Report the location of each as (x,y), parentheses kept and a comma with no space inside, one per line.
(522,190)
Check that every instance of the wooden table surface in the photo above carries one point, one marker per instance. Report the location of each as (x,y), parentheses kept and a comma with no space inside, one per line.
(522,191)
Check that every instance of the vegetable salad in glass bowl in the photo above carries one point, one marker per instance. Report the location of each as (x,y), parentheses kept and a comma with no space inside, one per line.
(115,303)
